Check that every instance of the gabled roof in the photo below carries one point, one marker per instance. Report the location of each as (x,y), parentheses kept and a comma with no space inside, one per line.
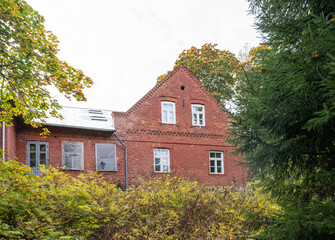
(180,67)
(84,118)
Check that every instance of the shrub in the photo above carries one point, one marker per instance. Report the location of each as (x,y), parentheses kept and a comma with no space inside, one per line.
(57,206)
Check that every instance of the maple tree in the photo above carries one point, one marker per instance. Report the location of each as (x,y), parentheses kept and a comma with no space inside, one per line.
(218,70)
(29,64)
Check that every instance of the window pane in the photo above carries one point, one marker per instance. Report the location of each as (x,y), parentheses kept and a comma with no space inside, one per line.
(42,158)
(218,155)
(157,168)
(68,162)
(76,161)
(212,163)
(68,147)
(32,159)
(171,117)
(165,168)
(218,163)
(106,157)
(164,116)
(212,155)
(195,120)
(219,170)
(212,170)
(101,166)
(42,147)
(199,109)
(157,161)
(32,147)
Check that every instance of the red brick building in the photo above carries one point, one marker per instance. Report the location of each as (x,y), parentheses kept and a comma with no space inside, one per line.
(178,127)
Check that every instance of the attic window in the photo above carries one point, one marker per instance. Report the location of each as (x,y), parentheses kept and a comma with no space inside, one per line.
(99,118)
(92,111)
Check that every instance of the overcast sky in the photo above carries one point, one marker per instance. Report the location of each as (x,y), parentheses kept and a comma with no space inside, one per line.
(125,45)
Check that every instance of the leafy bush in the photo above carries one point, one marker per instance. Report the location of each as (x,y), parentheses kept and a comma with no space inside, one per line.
(58,206)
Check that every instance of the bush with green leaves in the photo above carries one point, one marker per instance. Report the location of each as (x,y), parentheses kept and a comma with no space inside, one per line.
(58,206)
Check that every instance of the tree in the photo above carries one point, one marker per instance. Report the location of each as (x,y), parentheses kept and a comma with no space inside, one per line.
(285,124)
(29,64)
(217,70)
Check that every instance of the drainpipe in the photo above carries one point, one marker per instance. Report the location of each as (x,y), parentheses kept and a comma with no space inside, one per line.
(125,156)
(3,141)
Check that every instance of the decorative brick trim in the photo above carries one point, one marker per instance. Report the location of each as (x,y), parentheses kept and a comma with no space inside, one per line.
(182,134)
(180,67)
(119,114)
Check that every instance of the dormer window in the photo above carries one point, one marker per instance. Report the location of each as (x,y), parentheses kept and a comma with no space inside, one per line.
(198,115)
(168,112)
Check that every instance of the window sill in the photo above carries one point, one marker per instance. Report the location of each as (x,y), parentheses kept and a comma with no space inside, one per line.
(72,169)
(199,126)
(107,171)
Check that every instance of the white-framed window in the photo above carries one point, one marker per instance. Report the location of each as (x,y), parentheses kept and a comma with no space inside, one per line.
(198,115)
(73,155)
(168,112)
(216,162)
(106,157)
(162,159)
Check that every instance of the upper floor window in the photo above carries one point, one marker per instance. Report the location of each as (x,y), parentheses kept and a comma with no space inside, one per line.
(162,160)
(73,156)
(168,112)
(216,162)
(198,115)
(106,157)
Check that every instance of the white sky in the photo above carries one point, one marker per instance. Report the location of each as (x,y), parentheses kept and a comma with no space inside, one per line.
(125,45)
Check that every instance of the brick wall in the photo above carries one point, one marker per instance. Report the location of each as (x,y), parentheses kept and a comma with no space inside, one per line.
(142,130)
(10,140)
(189,145)
(88,137)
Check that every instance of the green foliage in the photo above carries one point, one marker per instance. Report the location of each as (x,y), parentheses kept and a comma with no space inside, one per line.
(285,122)
(58,206)
(218,70)
(29,64)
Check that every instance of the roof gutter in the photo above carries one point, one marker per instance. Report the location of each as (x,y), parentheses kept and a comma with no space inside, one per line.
(125,156)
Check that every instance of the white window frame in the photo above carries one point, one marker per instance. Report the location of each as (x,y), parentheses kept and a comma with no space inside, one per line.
(82,156)
(162,159)
(216,160)
(197,114)
(111,157)
(168,112)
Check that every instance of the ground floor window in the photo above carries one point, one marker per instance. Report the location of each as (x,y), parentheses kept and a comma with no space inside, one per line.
(73,155)
(106,157)
(162,160)
(37,154)
(216,162)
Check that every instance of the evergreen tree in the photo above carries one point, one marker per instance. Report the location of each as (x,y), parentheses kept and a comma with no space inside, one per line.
(285,124)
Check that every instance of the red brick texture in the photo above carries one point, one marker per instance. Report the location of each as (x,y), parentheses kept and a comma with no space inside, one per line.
(141,129)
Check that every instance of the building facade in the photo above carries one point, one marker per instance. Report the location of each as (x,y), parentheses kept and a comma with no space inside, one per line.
(178,127)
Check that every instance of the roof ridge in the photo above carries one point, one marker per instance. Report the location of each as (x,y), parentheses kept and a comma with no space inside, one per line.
(180,67)
(154,89)
(202,87)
